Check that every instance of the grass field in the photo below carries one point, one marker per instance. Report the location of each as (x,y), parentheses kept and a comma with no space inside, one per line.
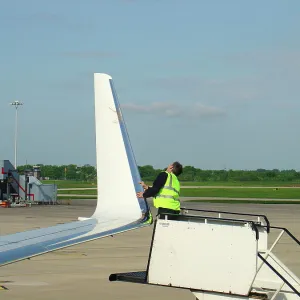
(221,192)
(228,192)
(232,201)
(81,184)
(70,184)
(80,192)
(246,183)
(243,193)
(246,201)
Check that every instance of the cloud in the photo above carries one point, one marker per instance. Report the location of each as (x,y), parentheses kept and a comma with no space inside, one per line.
(90,54)
(254,77)
(176,82)
(167,109)
(223,90)
(263,58)
(201,110)
(37,17)
(79,82)
(55,20)
(71,85)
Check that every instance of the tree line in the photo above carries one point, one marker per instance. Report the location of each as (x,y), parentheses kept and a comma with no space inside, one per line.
(148,173)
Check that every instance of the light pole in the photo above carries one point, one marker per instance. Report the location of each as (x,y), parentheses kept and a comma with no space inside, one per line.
(16,104)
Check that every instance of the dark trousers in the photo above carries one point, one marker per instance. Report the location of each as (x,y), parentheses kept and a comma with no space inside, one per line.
(162,210)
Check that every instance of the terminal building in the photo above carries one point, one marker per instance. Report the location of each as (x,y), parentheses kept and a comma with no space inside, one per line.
(27,187)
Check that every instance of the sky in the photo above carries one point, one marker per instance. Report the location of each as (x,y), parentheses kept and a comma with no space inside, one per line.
(212,84)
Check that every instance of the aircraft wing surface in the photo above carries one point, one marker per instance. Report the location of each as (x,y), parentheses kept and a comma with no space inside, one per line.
(19,246)
(118,208)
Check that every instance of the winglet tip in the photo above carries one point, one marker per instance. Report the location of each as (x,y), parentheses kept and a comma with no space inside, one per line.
(102,76)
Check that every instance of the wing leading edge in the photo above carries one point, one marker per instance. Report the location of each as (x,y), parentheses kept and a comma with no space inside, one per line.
(118,209)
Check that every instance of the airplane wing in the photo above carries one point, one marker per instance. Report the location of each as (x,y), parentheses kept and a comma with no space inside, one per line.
(118,208)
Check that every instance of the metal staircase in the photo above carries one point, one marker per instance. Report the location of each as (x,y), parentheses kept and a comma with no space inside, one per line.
(273,275)
(11,178)
(217,254)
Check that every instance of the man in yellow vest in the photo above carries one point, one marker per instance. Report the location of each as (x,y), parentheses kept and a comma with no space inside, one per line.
(165,190)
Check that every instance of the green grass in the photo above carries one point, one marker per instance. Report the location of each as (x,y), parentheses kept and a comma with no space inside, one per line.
(77,197)
(243,193)
(245,201)
(91,197)
(80,192)
(82,184)
(221,192)
(238,183)
(70,184)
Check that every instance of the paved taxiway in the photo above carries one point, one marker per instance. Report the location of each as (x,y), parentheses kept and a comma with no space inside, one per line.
(82,271)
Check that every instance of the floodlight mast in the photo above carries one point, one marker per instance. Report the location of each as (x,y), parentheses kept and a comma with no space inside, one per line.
(16,104)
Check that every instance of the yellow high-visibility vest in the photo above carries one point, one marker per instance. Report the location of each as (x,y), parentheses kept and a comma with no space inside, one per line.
(168,196)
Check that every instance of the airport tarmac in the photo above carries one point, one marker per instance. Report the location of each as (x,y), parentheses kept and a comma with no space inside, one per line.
(83,270)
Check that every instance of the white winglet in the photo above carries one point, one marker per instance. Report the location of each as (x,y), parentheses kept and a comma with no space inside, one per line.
(118,176)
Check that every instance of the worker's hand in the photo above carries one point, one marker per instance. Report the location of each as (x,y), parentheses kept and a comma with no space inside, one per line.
(145,186)
(140,195)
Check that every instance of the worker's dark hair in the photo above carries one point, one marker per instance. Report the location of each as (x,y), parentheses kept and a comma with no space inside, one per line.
(177,168)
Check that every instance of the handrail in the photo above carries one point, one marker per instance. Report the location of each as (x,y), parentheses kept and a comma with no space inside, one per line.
(264,259)
(253,225)
(288,233)
(232,213)
(279,275)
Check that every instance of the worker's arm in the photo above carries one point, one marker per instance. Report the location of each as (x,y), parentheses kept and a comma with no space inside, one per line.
(158,183)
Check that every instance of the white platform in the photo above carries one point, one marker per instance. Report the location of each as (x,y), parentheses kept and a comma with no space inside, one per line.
(217,256)
(214,256)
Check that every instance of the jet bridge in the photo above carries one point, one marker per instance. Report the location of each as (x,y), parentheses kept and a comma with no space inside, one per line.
(217,254)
